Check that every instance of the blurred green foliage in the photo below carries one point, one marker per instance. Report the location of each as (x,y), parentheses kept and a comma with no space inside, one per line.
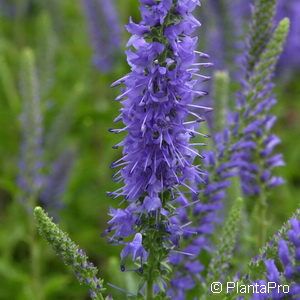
(81,98)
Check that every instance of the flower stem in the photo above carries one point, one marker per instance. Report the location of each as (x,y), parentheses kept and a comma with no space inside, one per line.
(150,285)
(152,264)
(34,255)
(262,224)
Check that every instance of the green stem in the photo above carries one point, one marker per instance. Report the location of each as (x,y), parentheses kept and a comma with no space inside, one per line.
(150,285)
(152,263)
(34,256)
(262,224)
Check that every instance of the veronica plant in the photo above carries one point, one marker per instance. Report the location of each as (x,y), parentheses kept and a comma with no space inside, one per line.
(244,148)
(255,120)
(157,156)
(172,198)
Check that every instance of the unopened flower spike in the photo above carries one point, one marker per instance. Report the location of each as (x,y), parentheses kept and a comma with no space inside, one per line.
(260,32)
(70,253)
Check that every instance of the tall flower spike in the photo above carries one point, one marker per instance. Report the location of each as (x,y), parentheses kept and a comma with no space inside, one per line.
(105,32)
(254,120)
(157,156)
(70,253)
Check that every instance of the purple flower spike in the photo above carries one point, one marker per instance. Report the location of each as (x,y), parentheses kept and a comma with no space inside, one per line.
(160,119)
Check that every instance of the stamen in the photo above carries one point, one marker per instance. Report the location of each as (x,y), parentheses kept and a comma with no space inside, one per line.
(201,107)
(122,290)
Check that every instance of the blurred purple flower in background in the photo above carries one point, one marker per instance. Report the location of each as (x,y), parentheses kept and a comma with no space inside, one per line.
(15,8)
(229,25)
(36,183)
(7,8)
(30,178)
(55,183)
(105,32)
(225,25)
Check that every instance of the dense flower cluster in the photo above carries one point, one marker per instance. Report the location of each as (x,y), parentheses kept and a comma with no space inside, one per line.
(157,101)
(105,32)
